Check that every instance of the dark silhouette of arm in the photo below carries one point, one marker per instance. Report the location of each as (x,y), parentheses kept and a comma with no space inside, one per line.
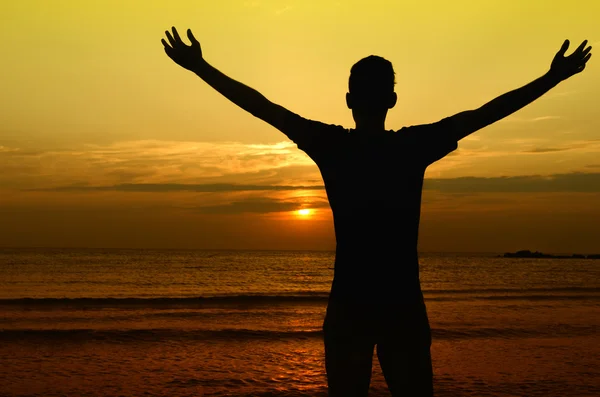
(190,57)
(562,68)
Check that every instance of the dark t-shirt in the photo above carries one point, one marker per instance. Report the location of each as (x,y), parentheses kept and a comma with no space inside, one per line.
(373,182)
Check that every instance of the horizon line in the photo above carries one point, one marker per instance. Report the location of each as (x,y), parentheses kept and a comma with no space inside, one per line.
(274,249)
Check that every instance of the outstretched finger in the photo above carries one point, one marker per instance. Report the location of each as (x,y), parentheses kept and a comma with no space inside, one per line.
(168,51)
(171,39)
(167,46)
(587,58)
(564,48)
(176,35)
(191,37)
(581,46)
(586,51)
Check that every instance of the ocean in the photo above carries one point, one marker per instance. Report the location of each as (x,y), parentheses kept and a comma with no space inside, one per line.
(116,322)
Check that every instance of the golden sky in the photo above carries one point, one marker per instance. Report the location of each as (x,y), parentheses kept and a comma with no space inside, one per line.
(105,142)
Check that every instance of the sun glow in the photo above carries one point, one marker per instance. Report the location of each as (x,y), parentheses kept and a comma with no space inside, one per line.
(304,212)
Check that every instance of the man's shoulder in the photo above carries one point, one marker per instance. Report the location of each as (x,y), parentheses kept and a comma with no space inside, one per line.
(295,120)
(443,124)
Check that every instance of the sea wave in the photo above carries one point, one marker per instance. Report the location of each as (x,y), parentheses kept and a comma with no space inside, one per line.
(514,290)
(223,335)
(308,297)
(199,301)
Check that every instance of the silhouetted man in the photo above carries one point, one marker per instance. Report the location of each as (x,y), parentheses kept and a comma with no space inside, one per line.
(373,178)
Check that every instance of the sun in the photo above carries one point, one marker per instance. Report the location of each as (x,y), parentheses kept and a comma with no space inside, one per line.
(304,212)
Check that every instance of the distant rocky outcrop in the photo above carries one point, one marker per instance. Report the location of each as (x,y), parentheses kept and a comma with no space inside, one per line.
(537,254)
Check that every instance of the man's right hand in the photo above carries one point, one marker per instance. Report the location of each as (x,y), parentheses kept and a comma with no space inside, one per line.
(186,56)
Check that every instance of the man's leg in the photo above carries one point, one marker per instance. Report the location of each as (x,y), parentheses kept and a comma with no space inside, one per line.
(348,354)
(404,354)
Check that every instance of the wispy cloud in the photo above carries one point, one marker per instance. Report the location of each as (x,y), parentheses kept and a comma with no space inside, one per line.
(543,118)
(260,206)
(474,138)
(545,150)
(212,167)
(531,119)
(560,94)
(578,145)
(494,157)
(178,187)
(570,182)
(283,10)
(154,162)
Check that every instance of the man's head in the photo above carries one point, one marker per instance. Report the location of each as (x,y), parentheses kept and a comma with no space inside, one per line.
(371,87)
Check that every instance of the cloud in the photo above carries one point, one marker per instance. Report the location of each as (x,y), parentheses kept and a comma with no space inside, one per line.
(283,10)
(178,187)
(170,166)
(559,94)
(531,119)
(259,206)
(153,162)
(545,150)
(577,145)
(543,118)
(572,182)
(510,156)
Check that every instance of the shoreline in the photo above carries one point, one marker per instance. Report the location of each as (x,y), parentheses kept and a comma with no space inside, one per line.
(537,254)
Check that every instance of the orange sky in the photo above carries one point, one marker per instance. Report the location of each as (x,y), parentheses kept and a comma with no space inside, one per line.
(105,142)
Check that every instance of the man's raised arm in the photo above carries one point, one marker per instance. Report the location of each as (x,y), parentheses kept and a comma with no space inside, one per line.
(190,57)
(562,68)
